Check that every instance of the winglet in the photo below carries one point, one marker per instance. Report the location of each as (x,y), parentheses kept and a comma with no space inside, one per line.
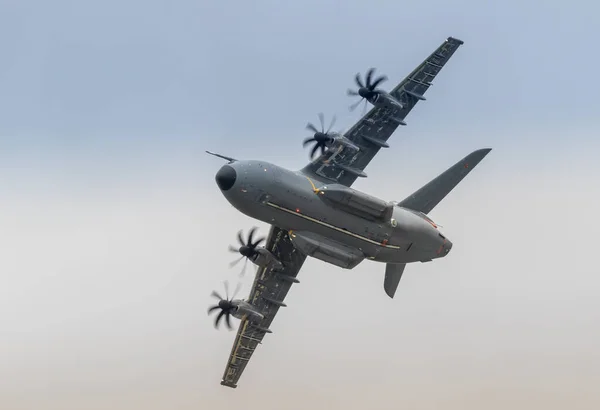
(222,156)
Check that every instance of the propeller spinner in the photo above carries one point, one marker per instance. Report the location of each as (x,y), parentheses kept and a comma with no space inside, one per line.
(321,138)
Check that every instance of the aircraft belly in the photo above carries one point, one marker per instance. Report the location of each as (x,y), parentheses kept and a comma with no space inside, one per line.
(289,201)
(292,221)
(377,253)
(299,209)
(353,232)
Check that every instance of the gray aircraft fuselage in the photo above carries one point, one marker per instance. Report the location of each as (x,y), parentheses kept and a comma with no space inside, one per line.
(298,204)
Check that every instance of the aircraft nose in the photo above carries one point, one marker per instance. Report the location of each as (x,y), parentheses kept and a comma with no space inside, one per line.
(226,177)
(447,247)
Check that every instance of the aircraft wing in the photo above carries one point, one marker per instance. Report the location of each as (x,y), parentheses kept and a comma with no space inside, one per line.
(268,292)
(374,129)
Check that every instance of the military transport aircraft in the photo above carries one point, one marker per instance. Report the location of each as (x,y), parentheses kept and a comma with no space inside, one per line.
(315,212)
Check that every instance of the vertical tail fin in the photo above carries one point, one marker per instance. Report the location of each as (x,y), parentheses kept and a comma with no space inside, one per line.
(427,197)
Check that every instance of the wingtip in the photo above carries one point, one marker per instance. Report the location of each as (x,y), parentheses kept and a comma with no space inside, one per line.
(228,384)
(456,40)
(476,156)
(482,151)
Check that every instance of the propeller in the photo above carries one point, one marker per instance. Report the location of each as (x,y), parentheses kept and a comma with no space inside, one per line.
(247,248)
(225,304)
(320,138)
(368,90)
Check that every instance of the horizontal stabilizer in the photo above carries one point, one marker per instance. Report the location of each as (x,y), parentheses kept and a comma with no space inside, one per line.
(393,273)
(427,197)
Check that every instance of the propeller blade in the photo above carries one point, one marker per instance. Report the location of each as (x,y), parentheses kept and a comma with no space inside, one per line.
(235,262)
(379,81)
(314,150)
(308,141)
(237,289)
(213,308)
(364,108)
(353,106)
(333,119)
(226,283)
(216,295)
(358,80)
(243,272)
(250,236)
(312,128)
(240,238)
(228,322)
(352,93)
(369,76)
(233,249)
(218,318)
(322,121)
(258,241)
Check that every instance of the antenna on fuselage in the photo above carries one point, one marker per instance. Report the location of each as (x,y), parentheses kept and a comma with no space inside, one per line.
(222,156)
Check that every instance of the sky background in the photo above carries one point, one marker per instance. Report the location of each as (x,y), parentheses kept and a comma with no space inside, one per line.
(113,232)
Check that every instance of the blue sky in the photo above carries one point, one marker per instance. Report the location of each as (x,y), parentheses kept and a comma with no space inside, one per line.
(108,203)
(81,76)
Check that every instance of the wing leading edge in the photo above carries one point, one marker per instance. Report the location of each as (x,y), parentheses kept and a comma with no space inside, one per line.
(268,291)
(372,131)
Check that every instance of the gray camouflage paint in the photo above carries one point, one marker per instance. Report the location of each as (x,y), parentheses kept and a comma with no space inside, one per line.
(292,201)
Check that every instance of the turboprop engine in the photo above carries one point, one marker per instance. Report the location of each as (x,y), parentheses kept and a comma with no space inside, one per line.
(326,140)
(237,308)
(250,250)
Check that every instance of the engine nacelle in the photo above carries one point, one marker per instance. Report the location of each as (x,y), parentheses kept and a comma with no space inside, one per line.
(383,99)
(246,309)
(356,202)
(263,258)
(339,141)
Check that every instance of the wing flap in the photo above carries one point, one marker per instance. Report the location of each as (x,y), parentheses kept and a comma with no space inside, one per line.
(428,196)
(268,291)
